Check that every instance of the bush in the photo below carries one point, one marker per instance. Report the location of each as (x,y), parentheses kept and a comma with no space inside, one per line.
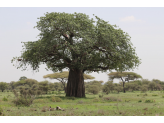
(148,101)
(143,89)
(93,89)
(25,98)
(56,99)
(145,95)
(162,96)
(140,101)
(154,95)
(22,101)
(5,99)
(100,96)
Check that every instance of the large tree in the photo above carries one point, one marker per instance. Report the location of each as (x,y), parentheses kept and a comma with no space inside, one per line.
(80,44)
(127,75)
(63,77)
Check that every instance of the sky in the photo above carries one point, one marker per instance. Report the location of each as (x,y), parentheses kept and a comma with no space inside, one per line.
(144,25)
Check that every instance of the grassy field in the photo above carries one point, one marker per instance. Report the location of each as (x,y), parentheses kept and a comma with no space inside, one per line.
(122,104)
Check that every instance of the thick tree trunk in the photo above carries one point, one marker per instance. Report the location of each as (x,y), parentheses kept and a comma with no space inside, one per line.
(75,85)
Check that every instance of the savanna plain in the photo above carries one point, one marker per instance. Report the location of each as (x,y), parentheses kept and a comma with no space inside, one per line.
(134,103)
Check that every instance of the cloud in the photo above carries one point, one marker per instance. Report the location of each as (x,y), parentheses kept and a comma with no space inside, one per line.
(130,19)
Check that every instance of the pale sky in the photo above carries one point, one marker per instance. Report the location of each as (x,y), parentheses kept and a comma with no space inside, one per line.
(144,25)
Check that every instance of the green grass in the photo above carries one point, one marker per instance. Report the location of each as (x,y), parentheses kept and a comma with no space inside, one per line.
(122,104)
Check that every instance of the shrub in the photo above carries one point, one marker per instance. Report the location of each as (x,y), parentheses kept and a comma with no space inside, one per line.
(143,89)
(100,96)
(148,101)
(5,99)
(162,96)
(25,98)
(145,95)
(93,89)
(154,95)
(140,101)
(137,95)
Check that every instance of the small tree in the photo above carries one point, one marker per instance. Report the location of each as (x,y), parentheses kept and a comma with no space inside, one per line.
(22,78)
(3,86)
(128,76)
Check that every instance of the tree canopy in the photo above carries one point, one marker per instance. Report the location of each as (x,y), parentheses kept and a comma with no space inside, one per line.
(119,75)
(74,41)
(22,78)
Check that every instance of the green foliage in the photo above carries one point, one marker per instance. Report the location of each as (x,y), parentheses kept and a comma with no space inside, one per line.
(129,75)
(140,101)
(44,86)
(118,88)
(154,95)
(145,94)
(22,78)
(100,96)
(144,88)
(149,101)
(152,85)
(3,86)
(108,87)
(25,98)
(5,99)
(76,41)
(100,44)
(93,89)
